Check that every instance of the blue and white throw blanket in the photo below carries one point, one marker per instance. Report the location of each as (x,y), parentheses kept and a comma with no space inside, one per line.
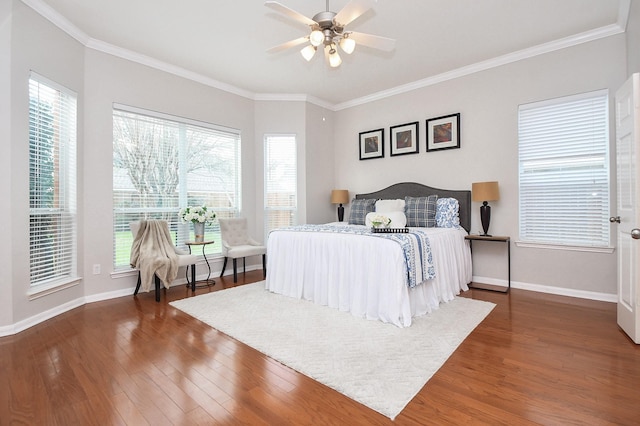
(415,246)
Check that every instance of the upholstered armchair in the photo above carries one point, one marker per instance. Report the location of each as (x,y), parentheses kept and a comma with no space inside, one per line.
(236,244)
(155,265)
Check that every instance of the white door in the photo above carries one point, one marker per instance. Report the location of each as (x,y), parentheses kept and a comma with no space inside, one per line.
(628,228)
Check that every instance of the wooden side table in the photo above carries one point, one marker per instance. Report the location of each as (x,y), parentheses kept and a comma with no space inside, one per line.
(208,281)
(499,239)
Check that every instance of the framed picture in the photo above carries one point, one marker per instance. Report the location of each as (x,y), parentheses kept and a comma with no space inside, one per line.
(443,132)
(372,144)
(404,139)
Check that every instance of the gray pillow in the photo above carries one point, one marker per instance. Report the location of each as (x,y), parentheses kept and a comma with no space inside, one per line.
(359,209)
(421,211)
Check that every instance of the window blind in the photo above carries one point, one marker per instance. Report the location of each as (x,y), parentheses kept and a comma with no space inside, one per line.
(52,181)
(564,170)
(162,163)
(280,181)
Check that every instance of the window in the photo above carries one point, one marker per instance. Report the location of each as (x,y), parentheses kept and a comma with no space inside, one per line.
(280,182)
(162,163)
(564,171)
(52,183)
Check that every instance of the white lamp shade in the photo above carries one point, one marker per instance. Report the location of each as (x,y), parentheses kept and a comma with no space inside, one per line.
(308,52)
(334,59)
(316,38)
(348,45)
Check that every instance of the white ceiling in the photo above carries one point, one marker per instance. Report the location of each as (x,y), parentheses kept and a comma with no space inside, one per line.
(224,42)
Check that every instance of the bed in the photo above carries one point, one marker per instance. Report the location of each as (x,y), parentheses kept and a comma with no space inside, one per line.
(347,267)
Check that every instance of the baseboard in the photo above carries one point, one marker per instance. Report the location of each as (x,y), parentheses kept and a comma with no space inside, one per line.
(540,288)
(43,316)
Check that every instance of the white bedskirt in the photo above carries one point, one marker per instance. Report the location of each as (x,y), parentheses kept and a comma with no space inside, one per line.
(365,275)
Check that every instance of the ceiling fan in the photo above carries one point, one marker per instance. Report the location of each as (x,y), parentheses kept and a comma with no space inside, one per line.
(328,30)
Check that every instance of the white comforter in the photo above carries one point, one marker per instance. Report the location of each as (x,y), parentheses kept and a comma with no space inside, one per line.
(365,275)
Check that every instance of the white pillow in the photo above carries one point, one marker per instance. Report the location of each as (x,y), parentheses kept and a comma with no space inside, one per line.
(385,206)
(398,219)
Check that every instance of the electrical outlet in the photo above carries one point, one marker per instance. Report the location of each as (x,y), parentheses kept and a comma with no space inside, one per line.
(96,269)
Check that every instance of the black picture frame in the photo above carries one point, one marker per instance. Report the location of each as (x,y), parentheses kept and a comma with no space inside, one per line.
(404,139)
(443,132)
(371,144)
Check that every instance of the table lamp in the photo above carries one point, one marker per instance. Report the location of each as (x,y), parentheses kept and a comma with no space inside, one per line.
(340,196)
(485,192)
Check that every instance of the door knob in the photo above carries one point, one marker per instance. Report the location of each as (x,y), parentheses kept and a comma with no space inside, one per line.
(635,234)
(613,219)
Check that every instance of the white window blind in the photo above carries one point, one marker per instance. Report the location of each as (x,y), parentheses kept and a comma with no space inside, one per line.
(564,170)
(162,163)
(52,182)
(280,182)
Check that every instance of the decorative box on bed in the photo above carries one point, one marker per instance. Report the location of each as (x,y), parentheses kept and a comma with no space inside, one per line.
(390,277)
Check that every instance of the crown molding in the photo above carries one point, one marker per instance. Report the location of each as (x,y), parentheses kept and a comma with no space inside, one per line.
(294,98)
(139,58)
(64,24)
(519,55)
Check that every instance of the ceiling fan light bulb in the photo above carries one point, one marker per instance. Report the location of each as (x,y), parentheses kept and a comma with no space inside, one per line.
(308,52)
(316,38)
(334,59)
(348,45)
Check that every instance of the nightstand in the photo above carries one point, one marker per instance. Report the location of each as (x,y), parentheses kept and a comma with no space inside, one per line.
(498,239)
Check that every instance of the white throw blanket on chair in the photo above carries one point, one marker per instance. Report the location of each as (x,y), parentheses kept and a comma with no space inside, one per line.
(153,252)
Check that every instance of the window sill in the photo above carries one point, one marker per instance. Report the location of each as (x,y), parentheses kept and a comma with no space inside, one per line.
(548,246)
(53,287)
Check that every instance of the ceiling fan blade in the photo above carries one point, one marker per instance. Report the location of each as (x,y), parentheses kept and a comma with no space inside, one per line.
(287,45)
(376,42)
(352,10)
(280,8)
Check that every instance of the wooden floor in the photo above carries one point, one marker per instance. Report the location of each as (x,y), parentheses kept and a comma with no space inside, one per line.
(536,359)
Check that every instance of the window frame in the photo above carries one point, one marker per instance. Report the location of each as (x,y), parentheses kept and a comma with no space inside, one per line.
(537,150)
(270,209)
(61,232)
(181,232)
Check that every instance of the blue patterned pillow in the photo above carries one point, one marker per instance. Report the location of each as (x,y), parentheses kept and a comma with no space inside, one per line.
(447,213)
(359,209)
(421,211)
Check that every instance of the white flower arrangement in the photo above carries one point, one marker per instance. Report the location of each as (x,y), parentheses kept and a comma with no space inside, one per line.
(380,220)
(196,215)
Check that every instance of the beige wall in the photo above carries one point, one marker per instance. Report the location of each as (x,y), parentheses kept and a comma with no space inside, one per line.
(488,102)
(313,127)
(39,46)
(319,161)
(279,118)
(6,265)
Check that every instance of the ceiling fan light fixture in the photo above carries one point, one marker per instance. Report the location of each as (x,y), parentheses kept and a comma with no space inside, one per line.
(316,38)
(347,45)
(334,58)
(308,52)
(328,29)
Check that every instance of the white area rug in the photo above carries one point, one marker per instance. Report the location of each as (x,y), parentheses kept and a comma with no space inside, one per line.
(379,365)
